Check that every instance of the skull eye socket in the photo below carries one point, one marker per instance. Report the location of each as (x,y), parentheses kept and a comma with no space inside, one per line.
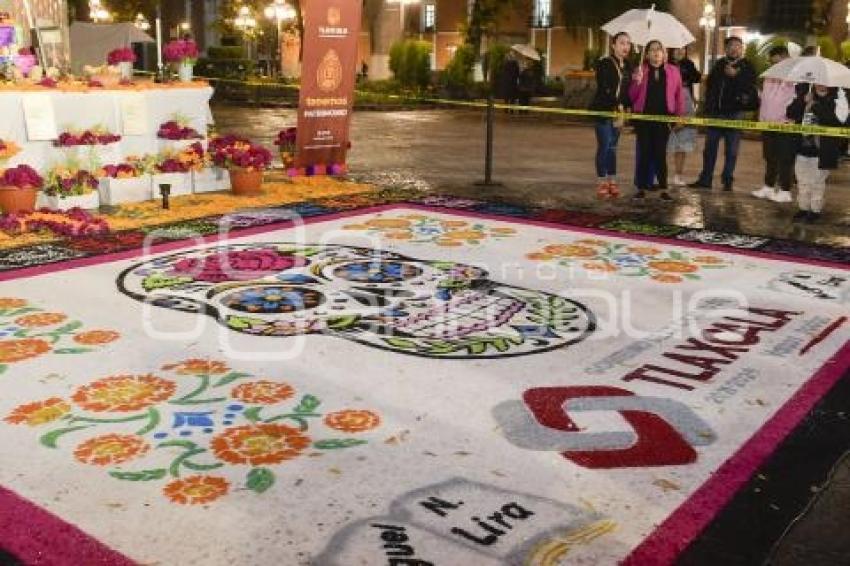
(274,300)
(377,271)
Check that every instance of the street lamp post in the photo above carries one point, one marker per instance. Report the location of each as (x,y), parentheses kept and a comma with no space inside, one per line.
(141,22)
(708,22)
(280,12)
(246,23)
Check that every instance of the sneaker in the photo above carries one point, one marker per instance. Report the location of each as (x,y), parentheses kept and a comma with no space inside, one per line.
(727,186)
(602,190)
(613,189)
(698,185)
(782,197)
(800,216)
(765,192)
(665,196)
(640,195)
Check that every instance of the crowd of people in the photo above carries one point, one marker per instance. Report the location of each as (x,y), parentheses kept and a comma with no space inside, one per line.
(662,84)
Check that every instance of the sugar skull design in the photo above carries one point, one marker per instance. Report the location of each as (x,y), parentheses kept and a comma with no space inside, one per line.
(378,298)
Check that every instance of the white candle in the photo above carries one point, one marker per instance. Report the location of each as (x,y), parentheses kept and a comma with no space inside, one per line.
(158,43)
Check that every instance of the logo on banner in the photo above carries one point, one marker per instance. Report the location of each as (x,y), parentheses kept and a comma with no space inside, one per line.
(329,74)
(663,432)
(334,16)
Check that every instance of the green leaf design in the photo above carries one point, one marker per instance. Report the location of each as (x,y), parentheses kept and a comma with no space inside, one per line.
(342,322)
(153,422)
(230,378)
(72,350)
(678,256)
(201,467)
(144,475)
(337,443)
(402,343)
(51,438)
(174,469)
(260,480)
(242,322)
(3,368)
(160,281)
(308,404)
(187,444)
(253,414)
(70,327)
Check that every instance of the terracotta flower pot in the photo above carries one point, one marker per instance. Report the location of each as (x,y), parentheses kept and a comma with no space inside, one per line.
(14,199)
(246,182)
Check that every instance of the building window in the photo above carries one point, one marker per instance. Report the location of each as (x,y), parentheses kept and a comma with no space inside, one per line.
(430,17)
(542,17)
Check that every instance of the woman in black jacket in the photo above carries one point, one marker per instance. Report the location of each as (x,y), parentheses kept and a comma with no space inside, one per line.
(613,77)
(816,155)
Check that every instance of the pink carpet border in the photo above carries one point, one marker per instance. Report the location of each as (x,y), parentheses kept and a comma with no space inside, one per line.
(65,544)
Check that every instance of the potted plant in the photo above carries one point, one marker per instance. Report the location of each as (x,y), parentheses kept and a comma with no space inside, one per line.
(184,54)
(176,168)
(123,58)
(124,182)
(286,145)
(18,189)
(244,160)
(67,187)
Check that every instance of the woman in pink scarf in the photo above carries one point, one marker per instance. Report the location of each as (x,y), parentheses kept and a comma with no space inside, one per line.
(656,89)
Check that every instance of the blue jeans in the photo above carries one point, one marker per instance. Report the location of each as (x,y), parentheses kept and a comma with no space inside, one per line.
(731,142)
(607,137)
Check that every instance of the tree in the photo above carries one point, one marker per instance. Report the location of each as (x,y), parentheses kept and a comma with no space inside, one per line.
(595,13)
(484,19)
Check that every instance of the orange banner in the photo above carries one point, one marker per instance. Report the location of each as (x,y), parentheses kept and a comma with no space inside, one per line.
(329,72)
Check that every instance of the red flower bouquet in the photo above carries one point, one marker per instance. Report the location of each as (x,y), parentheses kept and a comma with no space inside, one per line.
(120,171)
(174,131)
(181,51)
(62,182)
(190,159)
(21,177)
(121,55)
(233,152)
(68,139)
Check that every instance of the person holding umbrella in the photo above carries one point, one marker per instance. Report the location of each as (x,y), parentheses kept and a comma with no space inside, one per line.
(613,75)
(656,89)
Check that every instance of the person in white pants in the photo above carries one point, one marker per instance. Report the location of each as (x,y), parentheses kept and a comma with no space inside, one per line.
(816,155)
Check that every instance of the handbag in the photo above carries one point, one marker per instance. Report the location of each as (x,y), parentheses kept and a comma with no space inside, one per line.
(619,122)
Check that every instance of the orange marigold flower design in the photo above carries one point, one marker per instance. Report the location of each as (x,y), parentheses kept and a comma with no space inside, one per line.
(570,250)
(592,242)
(40,412)
(503,231)
(17,350)
(453,223)
(641,250)
(259,444)
(538,256)
(464,235)
(11,303)
(111,449)
(262,392)
(40,319)
(194,490)
(123,393)
(398,235)
(96,337)
(673,266)
(709,260)
(197,367)
(665,278)
(352,421)
(449,243)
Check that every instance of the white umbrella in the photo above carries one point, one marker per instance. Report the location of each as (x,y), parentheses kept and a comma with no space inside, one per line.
(527,51)
(814,70)
(644,26)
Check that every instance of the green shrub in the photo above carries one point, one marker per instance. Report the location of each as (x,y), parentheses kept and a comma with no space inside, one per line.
(225,68)
(457,77)
(828,48)
(591,56)
(410,63)
(757,57)
(232,52)
(845,51)
(494,60)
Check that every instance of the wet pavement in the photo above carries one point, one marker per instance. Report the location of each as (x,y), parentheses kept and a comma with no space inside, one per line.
(548,162)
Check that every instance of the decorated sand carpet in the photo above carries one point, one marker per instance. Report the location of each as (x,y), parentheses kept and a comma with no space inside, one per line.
(457,383)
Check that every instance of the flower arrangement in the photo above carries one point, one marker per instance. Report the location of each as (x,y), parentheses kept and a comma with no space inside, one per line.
(233,152)
(286,140)
(25,60)
(121,55)
(75,222)
(182,51)
(21,177)
(190,159)
(66,182)
(175,131)
(8,150)
(120,171)
(88,137)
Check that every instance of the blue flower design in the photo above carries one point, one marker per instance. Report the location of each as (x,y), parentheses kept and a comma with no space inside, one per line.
(377,272)
(274,300)
(182,419)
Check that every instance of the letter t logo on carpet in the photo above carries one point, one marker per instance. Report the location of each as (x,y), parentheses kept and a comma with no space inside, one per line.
(664,432)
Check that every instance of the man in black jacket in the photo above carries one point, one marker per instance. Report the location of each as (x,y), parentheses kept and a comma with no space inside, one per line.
(730,92)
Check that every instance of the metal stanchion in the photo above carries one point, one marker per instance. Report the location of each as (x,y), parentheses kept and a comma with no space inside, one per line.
(488,150)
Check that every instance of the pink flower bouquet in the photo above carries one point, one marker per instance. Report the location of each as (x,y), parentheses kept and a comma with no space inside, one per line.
(232,152)
(121,55)
(181,51)
(64,182)
(67,139)
(21,177)
(173,131)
